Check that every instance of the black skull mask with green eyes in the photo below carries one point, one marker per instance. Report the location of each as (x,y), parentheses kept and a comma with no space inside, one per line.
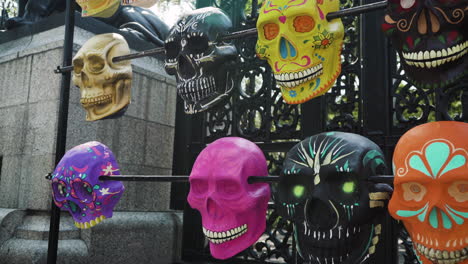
(325,191)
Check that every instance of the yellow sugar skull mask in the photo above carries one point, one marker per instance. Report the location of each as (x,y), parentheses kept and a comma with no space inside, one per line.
(98,8)
(301,46)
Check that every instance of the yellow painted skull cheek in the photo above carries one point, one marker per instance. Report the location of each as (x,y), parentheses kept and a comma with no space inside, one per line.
(98,8)
(301,46)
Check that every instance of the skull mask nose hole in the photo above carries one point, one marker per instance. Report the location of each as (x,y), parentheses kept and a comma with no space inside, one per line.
(186,69)
(84,191)
(213,209)
(319,215)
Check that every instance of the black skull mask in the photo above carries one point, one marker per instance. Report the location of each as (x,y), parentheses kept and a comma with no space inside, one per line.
(198,62)
(431,39)
(325,191)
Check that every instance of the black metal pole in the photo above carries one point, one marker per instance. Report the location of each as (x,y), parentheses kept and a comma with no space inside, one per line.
(180,178)
(62,125)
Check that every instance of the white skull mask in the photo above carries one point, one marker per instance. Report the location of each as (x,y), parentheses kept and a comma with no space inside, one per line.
(105,86)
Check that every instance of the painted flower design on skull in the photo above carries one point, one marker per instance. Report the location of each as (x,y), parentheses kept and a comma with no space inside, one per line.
(76,187)
(431,190)
(301,46)
(324,190)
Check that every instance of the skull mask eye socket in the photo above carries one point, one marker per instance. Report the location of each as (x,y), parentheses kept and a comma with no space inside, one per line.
(60,190)
(198,186)
(198,44)
(295,188)
(304,24)
(96,63)
(271,31)
(83,191)
(78,66)
(172,49)
(228,188)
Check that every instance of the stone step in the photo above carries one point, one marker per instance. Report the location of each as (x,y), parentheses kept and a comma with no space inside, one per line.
(36,227)
(72,251)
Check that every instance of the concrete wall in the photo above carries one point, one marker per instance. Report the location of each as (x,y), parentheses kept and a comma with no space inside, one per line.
(142,141)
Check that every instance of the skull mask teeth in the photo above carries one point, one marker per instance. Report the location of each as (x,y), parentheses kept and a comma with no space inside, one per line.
(200,65)
(301,46)
(104,85)
(76,186)
(324,191)
(232,210)
(431,190)
(431,39)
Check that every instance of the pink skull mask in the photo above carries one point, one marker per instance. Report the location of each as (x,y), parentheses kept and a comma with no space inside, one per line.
(76,186)
(233,211)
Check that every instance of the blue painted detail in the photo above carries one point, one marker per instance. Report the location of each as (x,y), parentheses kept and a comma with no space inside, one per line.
(455,217)
(292,93)
(283,48)
(311,150)
(455,162)
(368,242)
(433,218)
(327,147)
(462,214)
(446,220)
(292,50)
(436,155)
(416,163)
(405,213)
(317,83)
(422,216)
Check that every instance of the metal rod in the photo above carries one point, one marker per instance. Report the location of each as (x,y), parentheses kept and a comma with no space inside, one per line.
(243,33)
(353,11)
(62,125)
(382,179)
(145,53)
(185,178)
(180,178)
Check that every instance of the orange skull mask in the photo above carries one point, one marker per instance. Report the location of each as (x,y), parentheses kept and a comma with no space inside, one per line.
(431,190)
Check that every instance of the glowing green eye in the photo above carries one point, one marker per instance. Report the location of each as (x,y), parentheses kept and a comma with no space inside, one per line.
(298,191)
(348,187)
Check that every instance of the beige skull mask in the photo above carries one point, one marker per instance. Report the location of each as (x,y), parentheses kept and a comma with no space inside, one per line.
(105,86)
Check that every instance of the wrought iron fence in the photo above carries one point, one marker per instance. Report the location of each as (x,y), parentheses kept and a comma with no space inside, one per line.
(371,97)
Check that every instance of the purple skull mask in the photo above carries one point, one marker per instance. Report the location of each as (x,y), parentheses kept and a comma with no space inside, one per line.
(233,211)
(76,187)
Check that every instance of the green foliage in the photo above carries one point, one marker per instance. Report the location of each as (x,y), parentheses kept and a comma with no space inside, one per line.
(11,7)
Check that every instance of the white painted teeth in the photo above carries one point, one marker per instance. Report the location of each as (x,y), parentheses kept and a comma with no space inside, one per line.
(338,232)
(221,237)
(435,58)
(90,101)
(198,89)
(442,256)
(295,78)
